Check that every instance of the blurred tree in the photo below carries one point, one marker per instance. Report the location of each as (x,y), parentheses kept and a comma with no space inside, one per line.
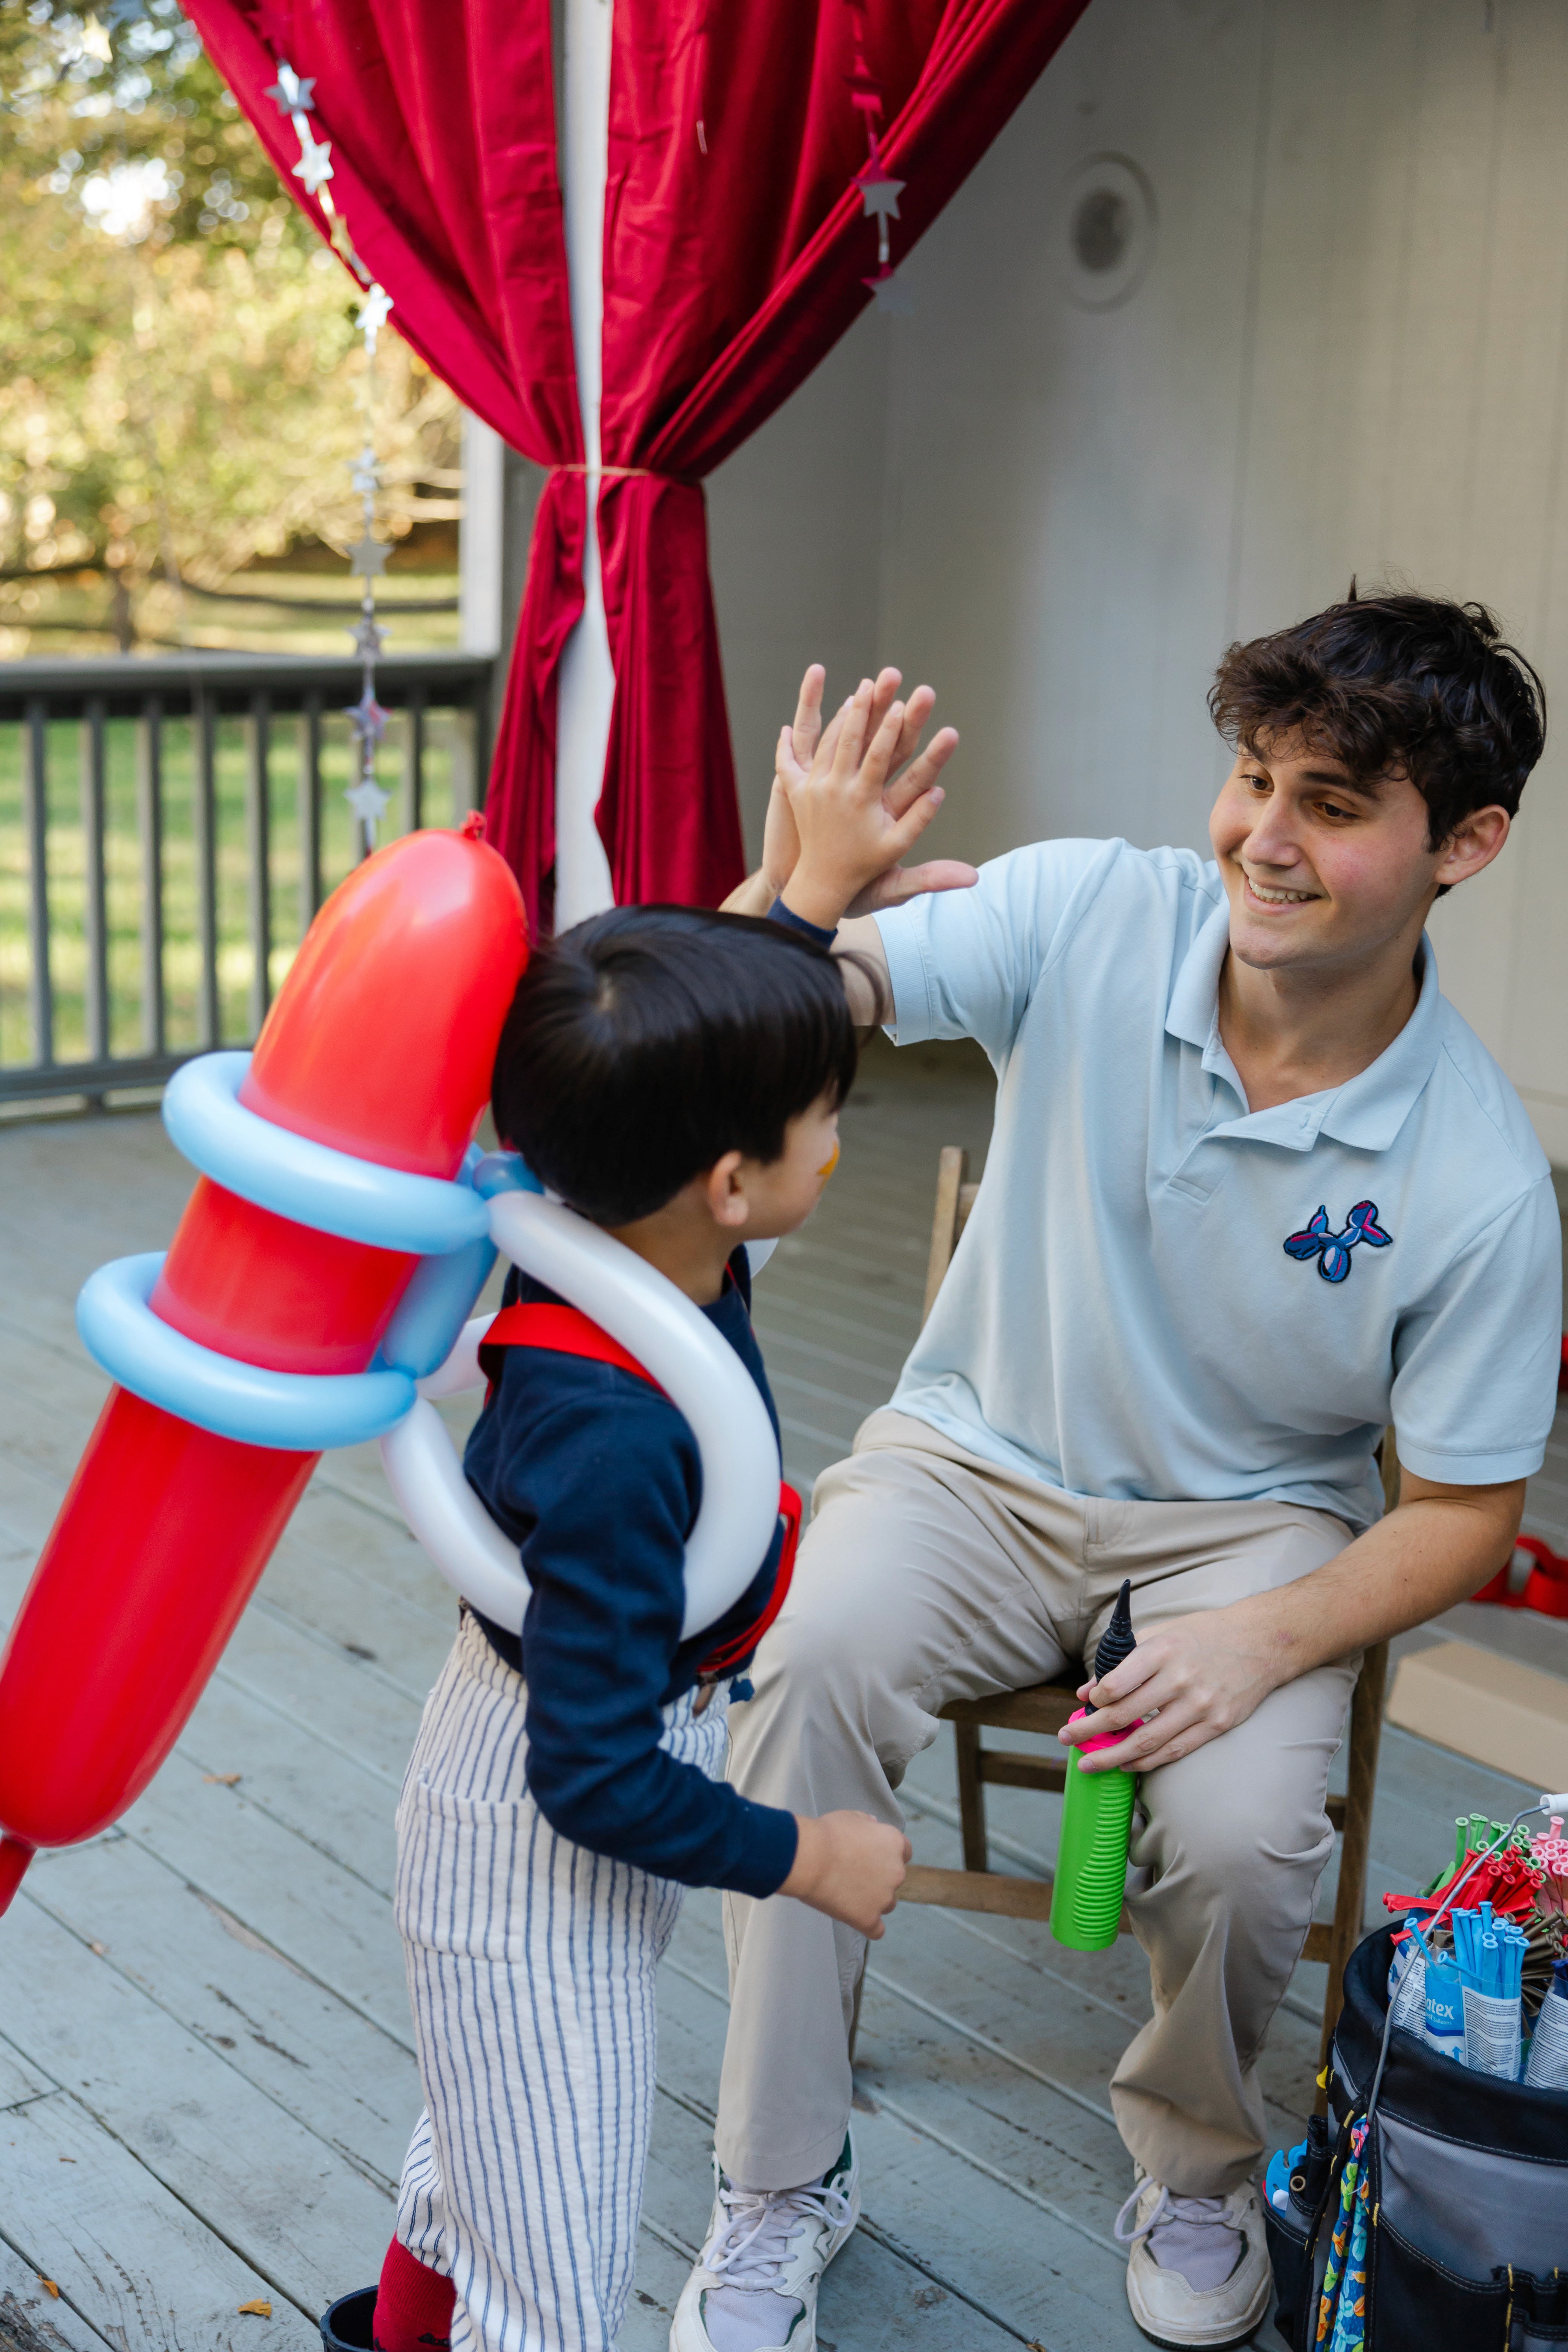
(178,359)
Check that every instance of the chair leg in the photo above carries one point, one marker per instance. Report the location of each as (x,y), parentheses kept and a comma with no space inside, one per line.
(1350,1904)
(971,1797)
(855,2013)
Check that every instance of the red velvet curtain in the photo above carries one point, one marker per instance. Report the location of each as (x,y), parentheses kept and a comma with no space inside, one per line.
(736,252)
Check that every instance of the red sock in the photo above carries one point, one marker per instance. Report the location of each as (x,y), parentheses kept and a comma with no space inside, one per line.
(413,2305)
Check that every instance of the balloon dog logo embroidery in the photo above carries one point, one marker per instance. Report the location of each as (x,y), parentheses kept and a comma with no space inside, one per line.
(1332,1251)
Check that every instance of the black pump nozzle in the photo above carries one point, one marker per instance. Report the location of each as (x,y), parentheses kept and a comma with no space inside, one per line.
(1117,1641)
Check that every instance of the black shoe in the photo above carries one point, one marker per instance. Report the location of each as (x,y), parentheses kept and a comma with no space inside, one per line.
(349,2325)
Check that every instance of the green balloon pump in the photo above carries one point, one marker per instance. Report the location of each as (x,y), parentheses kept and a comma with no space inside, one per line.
(1097,1817)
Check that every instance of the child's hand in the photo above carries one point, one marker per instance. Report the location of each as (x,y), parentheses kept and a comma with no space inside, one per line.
(852,813)
(797,745)
(794,753)
(850,1865)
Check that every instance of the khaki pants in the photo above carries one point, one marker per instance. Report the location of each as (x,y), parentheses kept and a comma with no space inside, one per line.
(930,1575)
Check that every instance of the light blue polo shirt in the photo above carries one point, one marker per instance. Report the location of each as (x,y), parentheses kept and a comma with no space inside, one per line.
(1161,1295)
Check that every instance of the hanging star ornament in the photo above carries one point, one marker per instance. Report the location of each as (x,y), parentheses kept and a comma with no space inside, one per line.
(374,311)
(290,93)
(368,802)
(369,718)
(889,295)
(314,166)
(367,558)
(880,192)
(368,639)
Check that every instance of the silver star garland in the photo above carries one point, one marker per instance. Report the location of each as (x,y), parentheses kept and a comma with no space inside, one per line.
(294,94)
(367,562)
(879,190)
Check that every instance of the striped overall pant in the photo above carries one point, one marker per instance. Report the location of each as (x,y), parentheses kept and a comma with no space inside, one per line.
(531,1972)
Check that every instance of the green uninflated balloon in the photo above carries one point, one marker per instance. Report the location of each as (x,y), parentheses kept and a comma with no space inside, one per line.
(1091,1861)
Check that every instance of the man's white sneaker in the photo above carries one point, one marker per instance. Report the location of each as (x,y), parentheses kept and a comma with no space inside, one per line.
(1198,2270)
(754,2287)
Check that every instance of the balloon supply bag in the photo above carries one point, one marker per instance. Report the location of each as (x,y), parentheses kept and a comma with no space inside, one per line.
(1439,2221)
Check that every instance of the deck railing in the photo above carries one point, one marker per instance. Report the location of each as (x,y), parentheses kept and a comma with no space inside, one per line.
(168,828)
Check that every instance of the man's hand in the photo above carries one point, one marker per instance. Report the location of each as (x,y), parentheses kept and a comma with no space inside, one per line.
(855,818)
(781,842)
(1194,1678)
(850,1865)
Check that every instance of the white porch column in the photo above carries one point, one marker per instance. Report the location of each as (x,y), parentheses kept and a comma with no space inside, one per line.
(587,681)
(480,538)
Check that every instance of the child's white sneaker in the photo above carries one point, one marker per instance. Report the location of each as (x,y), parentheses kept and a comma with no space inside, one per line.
(754,2287)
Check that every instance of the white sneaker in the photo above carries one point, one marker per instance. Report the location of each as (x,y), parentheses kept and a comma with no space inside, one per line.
(1198,2271)
(754,2287)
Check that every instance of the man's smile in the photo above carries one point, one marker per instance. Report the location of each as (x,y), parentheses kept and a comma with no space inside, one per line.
(1268,893)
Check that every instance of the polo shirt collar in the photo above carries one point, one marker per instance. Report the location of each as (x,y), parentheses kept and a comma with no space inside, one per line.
(1193,1013)
(1367,1112)
(1370,1109)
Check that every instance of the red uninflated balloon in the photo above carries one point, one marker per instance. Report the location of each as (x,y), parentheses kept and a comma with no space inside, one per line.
(380,1044)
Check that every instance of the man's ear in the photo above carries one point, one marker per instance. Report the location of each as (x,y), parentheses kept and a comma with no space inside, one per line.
(724,1192)
(1473,844)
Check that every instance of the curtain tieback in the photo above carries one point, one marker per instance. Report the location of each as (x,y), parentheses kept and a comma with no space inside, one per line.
(630,474)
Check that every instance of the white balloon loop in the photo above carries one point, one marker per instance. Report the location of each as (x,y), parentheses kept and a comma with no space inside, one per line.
(697,1369)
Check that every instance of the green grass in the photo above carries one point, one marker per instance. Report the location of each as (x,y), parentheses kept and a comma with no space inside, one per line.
(128,887)
(80,622)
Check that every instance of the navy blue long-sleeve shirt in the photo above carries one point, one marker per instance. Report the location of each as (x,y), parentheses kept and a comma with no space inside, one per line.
(596,1476)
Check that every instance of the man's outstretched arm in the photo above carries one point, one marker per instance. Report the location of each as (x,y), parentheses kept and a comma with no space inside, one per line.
(1207,1672)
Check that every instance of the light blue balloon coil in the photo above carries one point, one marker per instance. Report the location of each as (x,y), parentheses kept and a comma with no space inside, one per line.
(295,1176)
(300,1412)
(444,1225)
(441,1291)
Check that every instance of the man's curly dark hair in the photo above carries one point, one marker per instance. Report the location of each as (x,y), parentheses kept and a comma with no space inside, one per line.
(1394,685)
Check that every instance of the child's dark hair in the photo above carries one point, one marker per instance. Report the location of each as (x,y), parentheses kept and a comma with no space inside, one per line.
(645,1043)
(1395,684)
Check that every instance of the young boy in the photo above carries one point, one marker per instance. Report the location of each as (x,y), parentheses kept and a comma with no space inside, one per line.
(675,1076)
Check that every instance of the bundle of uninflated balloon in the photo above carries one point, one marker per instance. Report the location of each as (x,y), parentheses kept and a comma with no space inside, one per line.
(1479,1974)
(1480,1965)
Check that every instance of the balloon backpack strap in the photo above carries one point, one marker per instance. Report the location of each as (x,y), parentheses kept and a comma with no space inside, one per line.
(567,1331)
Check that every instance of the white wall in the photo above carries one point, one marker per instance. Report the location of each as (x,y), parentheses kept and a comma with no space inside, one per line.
(1347,353)
(794,526)
(1057,549)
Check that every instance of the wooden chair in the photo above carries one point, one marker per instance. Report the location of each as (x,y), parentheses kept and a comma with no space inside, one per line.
(1045,1706)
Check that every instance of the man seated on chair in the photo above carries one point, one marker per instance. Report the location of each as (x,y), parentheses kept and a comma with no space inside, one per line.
(1254,1191)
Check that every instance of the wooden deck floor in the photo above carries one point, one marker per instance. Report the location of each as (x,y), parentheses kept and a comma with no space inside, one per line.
(206,2078)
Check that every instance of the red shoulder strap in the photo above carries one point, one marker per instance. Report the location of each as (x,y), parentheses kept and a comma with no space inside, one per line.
(565,1331)
(745,1642)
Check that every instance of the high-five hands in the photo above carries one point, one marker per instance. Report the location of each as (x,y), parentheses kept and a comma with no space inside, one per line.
(850,800)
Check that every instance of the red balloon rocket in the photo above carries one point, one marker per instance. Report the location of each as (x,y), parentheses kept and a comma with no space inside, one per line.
(381,1045)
